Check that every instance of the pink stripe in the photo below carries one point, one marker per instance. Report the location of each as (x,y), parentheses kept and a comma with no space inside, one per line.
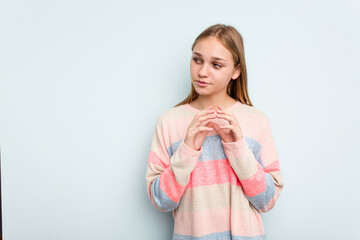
(272,202)
(170,186)
(200,223)
(255,184)
(154,158)
(240,222)
(213,172)
(246,223)
(275,166)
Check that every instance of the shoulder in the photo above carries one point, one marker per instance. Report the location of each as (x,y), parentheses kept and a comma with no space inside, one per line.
(255,122)
(253,113)
(172,115)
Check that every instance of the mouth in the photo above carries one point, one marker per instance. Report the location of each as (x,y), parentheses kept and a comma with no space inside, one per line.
(201,81)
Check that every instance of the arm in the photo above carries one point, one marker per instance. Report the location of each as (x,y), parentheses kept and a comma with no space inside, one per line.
(261,185)
(167,178)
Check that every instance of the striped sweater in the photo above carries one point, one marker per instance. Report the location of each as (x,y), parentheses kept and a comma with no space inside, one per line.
(219,191)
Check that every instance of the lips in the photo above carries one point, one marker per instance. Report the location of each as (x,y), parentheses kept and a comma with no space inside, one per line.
(201,81)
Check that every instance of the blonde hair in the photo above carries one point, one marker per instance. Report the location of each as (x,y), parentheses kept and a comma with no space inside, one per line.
(232,40)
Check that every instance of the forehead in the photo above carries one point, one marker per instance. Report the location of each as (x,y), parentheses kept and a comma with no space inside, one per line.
(212,47)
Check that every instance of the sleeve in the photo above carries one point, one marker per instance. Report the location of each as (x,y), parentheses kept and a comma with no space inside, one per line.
(167,177)
(261,183)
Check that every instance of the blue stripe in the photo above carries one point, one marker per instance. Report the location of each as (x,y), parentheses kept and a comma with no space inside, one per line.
(259,201)
(214,150)
(255,147)
(218,236)
(160,198)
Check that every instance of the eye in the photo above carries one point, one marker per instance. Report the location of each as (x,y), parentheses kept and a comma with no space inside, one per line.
(196,60)
(217,65)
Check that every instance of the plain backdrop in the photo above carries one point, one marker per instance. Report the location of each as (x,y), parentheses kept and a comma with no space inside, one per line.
(83,82)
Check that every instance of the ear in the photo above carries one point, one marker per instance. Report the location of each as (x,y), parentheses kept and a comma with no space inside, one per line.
(236,73)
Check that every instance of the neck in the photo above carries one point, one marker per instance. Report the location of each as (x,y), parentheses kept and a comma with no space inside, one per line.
(205,101)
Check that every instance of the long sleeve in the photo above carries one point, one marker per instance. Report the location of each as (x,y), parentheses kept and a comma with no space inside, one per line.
(262,185)
(167,178)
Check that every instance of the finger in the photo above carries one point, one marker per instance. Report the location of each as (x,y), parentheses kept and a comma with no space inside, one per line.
(227,126)
(229,118)
(207,116)
(232,128)
(225,112)
(220,131)
(200,120)
(209,124)
(203,128)
(208,108)
(204,112)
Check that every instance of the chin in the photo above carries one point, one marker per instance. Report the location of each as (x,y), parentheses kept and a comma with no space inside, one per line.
(202,93)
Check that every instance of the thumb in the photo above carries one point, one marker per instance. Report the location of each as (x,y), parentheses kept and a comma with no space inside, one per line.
(209,124)
(219,130)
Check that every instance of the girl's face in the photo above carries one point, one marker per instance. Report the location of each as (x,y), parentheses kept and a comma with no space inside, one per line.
(212,64)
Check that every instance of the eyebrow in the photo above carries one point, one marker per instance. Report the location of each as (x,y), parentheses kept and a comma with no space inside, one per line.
(217,58)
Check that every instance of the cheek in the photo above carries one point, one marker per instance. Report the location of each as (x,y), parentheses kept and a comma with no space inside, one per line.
(225,75)
(193,69)
(220,75)
(222,78)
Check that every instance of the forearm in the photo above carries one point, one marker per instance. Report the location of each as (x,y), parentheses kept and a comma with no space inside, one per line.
(167,183)
(258,185)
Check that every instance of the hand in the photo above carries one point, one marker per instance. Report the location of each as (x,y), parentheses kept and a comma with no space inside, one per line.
(196,134)
(235,132)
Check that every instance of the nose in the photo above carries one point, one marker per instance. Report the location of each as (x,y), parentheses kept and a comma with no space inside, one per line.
(203,72)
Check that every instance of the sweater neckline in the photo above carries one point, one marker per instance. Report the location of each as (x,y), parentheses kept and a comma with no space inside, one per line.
(191,108)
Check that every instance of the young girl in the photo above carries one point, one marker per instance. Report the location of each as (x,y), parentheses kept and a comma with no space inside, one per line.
(213,160)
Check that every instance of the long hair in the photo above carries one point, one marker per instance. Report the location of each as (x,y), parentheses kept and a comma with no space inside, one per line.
(233,41)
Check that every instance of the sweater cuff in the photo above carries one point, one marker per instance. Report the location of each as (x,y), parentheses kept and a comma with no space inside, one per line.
(188,154)
(235,150)
(241,159)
